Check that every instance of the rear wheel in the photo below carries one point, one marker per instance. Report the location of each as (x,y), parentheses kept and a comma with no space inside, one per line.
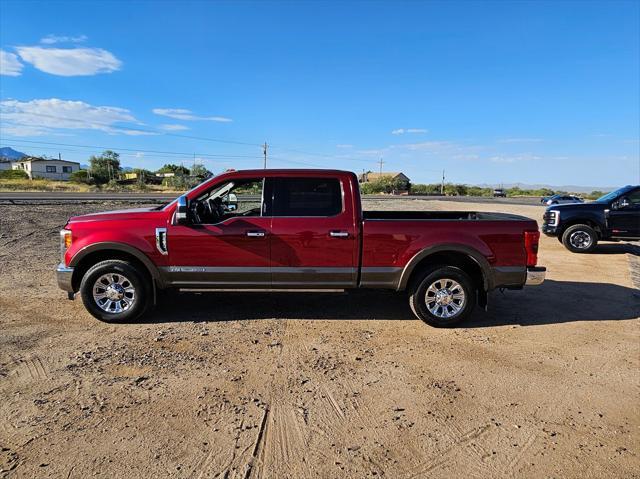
(115,290)
(445,296)
(580,239)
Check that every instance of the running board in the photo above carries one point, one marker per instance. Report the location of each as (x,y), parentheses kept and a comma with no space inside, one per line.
(256,290)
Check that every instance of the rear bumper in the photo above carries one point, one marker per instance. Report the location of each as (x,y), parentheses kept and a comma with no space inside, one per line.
(535,275)
(64,276)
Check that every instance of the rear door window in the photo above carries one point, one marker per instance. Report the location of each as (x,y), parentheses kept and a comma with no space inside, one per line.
(320,197)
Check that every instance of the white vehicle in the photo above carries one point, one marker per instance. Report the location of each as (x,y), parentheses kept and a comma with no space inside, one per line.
(562,200)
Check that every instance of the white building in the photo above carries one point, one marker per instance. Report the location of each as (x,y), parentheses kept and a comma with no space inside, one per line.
(45,168)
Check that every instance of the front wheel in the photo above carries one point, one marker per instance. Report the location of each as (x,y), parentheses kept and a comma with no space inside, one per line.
(580,239)
(115,291)
(445,296)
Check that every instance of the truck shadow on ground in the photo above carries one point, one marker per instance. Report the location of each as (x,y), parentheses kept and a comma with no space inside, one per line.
(622,248)
(551,303)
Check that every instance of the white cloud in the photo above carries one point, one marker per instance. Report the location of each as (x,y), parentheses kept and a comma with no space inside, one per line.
(427,146)
(51,39)
(70,61)
(187,115)
(520,140)
(44,116)
(9,64)
(402,131)
(514,159)
(344,146)
(130,132)
(173,127)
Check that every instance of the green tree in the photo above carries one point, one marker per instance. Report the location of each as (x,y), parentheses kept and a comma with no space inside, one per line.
(594,195)
(451,189)
(81,176)
(200,171)
(422,189)
(171,168)
(105,167)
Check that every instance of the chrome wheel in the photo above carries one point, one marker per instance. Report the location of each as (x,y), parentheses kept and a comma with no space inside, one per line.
(445,298)
(580,239)
(114,293)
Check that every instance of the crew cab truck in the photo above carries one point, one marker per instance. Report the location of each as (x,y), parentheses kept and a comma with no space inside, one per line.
(286,229)
(612,217)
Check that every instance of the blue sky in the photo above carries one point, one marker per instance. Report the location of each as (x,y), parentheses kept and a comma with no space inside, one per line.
(533,92)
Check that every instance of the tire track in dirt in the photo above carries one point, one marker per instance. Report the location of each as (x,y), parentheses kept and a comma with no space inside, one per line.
(444,455)
(27,369)
(285,432)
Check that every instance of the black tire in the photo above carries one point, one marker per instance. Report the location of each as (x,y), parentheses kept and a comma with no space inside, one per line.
(132,279)
(580,239)
(424,310)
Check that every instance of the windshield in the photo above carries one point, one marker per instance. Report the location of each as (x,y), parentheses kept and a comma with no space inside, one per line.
(613,194)
(163,206)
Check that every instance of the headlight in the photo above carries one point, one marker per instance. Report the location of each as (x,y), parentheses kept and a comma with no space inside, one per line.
(65,242)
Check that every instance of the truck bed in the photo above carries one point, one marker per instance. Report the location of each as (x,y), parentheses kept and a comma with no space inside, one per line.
(440,215)
(391,239)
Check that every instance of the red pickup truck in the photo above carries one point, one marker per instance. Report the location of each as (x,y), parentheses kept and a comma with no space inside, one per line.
(285,229)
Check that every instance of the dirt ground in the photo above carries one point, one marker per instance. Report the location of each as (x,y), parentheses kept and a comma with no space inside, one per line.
(237,385)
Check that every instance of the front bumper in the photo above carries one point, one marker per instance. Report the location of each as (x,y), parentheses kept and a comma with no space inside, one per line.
(535,275)
(550,230)
(64,276)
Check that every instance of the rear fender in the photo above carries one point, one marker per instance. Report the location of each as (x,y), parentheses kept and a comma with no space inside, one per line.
(473,254)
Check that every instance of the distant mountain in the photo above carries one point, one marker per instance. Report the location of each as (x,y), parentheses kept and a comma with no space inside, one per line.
(11,154)
(570,188)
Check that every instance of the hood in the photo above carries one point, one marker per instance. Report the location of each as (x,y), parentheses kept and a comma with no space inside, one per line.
(591,206)
(130,214)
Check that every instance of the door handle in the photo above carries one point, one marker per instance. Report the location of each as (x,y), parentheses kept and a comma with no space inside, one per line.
(339,234)
(255,234)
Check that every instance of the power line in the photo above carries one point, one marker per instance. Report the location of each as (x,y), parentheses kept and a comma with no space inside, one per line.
(321,155)
(128,128)
(156,131)
(213,155)
(213,158)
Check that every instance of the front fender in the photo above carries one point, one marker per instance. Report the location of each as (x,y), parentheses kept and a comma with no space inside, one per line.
(91,248)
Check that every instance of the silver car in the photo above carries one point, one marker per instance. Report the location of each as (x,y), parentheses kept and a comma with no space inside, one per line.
(562,199)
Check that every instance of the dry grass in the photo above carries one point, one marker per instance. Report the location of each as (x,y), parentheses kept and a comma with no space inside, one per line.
(42,185)
(68,186)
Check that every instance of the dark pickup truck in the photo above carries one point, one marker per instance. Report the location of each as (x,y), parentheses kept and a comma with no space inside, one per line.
(284,229)
(612,217)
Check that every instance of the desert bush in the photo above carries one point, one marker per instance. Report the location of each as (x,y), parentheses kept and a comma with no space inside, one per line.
(14,175)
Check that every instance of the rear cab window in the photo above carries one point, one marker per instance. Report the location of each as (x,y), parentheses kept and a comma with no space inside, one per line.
(310,197)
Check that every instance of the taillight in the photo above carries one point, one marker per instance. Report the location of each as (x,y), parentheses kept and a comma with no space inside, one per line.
(531,241)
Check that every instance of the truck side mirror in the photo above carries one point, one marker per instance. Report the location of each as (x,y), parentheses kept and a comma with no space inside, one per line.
(232,202)
(182,211)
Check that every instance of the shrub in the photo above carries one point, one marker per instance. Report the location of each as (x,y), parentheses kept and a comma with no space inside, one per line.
(14,175)
(81,176)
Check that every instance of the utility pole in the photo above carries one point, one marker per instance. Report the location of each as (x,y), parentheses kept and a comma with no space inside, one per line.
(442,187)
(381,163)
(264,152)
(59,156)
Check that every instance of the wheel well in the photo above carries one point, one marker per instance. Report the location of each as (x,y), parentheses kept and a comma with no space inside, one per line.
(579,221)
(448,258)
(93,258)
